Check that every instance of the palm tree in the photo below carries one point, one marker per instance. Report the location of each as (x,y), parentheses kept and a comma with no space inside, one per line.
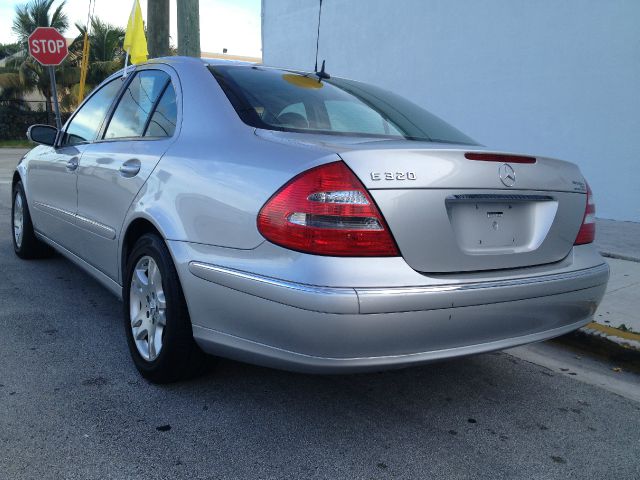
(105,55)
(29,73)
(36,13)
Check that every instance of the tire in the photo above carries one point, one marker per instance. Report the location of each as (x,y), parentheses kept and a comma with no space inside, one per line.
(25,243)
(158,311)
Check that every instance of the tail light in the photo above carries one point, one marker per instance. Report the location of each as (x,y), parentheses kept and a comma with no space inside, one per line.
(326,211)
(587,231)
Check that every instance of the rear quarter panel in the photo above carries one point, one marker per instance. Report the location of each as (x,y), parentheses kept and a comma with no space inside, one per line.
(211,183)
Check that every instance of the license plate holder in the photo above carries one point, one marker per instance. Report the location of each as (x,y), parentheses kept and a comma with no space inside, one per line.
(487,226)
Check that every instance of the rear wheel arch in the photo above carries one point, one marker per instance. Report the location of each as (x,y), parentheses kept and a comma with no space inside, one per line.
(136,229)
(16,178)
(149,304)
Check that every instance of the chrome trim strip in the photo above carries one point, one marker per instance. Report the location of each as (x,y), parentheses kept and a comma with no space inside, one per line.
(408,299)
(195,268)
(82,222)
(96,227)
(46,206)
(552,277)
(394,299)
(307,297)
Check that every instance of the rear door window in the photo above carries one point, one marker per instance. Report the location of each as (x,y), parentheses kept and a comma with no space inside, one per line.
(165,116)
(136,104)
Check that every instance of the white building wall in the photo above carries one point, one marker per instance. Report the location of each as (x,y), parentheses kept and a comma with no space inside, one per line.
(549,77)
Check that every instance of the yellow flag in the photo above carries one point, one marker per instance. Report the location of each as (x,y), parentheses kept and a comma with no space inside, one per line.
(135,43)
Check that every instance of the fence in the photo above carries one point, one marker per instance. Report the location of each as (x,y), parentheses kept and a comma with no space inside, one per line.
(16,116)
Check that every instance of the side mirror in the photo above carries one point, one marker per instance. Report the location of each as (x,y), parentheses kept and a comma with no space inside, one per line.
(43,134)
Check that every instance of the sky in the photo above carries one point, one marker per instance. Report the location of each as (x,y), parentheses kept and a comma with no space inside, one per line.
(230,24)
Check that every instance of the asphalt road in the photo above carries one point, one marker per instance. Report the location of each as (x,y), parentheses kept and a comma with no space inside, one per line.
(73,406)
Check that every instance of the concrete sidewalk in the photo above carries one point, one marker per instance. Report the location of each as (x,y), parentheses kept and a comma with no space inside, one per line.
(617,321)
(618,316)
(617,239)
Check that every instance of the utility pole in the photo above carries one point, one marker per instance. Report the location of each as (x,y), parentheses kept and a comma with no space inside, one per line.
(189,28)
(158,27)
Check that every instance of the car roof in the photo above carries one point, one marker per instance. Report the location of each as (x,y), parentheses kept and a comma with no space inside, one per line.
(178,60)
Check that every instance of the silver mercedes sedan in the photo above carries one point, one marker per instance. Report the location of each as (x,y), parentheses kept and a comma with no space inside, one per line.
(303,222)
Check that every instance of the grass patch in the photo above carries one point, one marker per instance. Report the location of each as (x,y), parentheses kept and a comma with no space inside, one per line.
(17,143)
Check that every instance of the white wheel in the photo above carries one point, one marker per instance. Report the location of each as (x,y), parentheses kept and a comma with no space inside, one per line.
(18,219)
(147,308)
(156,317)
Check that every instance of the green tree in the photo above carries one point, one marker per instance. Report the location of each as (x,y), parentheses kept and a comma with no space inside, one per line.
(25,74)
(7,49)
(105,55)
(11,88)
(37,13)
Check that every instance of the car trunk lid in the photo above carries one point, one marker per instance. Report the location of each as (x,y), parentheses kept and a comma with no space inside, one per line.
(448,213)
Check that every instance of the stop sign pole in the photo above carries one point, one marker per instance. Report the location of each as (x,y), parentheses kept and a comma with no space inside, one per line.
(54,91)
(49,48)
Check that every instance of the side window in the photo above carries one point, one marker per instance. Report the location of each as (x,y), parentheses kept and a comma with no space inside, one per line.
(164,118)
(87,121)
(136,103)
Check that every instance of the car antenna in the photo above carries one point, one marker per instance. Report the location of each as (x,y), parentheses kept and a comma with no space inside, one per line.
(320,74)
(315,69)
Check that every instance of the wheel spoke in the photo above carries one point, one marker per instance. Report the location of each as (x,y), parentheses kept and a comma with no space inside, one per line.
(142,333)
(152,272)
(161,302)
(161,319)
(152,342)
(141,279)
(138,320)
(135,284)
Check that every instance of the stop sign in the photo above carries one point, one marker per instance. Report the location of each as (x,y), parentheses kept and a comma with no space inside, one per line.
(48,46)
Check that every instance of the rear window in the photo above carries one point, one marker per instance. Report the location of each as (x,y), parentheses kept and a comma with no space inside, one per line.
(139,98)
(275,99)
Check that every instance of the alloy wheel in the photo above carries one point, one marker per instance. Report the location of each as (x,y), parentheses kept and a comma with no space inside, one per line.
(147,308)
(18,219)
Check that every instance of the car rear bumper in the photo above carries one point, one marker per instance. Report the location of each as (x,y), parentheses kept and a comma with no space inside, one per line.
(241,349)
(302,327)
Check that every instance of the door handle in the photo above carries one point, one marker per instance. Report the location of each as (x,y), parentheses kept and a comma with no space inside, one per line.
(72,164)
(130,168)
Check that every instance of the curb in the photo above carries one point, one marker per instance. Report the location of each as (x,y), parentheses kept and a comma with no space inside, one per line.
(625,339)
(618,256)
(617,345)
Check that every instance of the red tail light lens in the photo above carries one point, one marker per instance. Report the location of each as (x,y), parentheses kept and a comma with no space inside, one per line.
(587,233)
(327,211)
